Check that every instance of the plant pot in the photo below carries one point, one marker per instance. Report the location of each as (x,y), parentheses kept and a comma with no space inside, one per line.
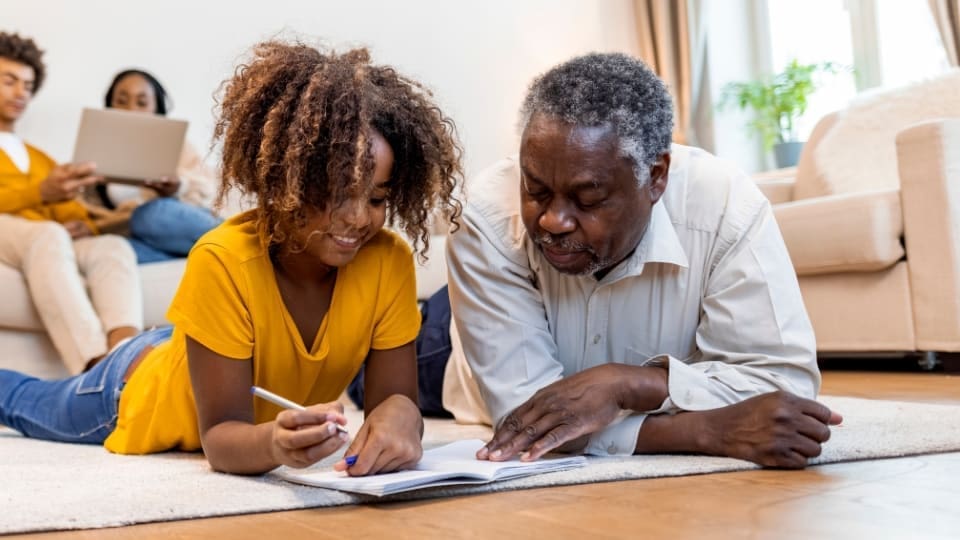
(787,154)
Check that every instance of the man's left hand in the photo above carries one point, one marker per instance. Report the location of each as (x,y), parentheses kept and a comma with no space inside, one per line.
(561,412)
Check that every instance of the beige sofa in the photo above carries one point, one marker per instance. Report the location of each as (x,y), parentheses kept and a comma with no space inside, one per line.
(879,267)
(24,345)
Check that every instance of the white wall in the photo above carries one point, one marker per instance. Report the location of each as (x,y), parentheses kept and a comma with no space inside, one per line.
(477,56)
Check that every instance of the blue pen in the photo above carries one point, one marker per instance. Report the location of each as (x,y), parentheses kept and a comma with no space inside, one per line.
(287,404)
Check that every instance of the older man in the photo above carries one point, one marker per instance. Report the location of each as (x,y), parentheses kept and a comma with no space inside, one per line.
(614,294)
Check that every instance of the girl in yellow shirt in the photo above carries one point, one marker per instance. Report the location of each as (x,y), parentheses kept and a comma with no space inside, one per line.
(292,296)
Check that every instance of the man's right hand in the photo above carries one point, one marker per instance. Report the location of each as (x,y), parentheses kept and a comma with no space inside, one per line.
(67,181)
(778,429)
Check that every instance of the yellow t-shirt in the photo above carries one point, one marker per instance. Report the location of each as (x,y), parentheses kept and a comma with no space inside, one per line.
(228,300)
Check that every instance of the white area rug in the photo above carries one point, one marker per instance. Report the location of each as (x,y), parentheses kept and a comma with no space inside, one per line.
(859,153)
(52,486)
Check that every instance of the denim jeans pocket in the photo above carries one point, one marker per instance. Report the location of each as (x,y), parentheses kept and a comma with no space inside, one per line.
(94,380)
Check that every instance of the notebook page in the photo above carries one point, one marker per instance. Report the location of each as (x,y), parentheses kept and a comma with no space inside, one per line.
(460,456)
(454,463)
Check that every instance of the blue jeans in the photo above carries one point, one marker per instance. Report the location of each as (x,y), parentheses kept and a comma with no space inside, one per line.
(166,228)
(433,351)
(80,409)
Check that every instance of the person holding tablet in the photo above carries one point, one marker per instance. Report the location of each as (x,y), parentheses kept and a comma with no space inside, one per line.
(164,218)
(292,296)
(84,285)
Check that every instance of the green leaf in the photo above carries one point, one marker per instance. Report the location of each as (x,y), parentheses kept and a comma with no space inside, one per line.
(778,100)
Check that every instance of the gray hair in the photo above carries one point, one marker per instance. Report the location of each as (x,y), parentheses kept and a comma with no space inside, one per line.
(600,88)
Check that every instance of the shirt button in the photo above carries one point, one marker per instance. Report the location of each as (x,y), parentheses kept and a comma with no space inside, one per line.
(596,339)
(612,449)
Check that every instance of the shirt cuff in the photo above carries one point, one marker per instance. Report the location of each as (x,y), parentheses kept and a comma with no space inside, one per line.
(617,439)
(688,389)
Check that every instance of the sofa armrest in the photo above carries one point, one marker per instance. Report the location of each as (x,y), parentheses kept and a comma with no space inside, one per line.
(853,232)
(777,191)
(786,173)
(928,157)
(776,185)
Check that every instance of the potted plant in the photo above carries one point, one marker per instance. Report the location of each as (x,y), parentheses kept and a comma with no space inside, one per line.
(778,101)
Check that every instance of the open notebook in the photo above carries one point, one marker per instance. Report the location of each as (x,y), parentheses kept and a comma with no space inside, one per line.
(447,465)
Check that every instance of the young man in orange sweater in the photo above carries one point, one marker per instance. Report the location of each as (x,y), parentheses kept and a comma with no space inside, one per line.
(46,233)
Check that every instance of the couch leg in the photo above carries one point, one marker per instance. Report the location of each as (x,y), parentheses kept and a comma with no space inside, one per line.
(928,360)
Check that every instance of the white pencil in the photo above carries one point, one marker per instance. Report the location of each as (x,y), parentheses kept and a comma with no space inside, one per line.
(283,402)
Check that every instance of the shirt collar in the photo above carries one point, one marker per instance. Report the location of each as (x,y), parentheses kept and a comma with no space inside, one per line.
(659,244)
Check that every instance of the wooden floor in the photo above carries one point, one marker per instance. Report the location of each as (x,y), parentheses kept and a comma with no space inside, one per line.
(916,497)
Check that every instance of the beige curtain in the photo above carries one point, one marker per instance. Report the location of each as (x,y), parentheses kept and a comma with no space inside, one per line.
(671,43)
(947,15)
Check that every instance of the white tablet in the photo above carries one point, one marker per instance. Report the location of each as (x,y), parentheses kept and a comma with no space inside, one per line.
(129,147)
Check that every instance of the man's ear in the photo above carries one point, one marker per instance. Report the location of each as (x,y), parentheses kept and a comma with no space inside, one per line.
(659,173)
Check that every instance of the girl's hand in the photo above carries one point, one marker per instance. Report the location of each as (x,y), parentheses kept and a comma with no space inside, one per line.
(302,438)
(389,439)
(165,186)
(77,229)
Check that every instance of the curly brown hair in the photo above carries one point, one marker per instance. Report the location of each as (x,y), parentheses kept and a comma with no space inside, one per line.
(295,124)
(24,50)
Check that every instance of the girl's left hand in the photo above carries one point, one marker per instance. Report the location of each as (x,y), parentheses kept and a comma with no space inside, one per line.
(165,186)
(389,439)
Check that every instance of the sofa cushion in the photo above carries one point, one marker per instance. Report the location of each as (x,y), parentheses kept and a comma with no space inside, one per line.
(810,180)
(858,232)
(16,309)
(160,282)
(859,152)
(776,190)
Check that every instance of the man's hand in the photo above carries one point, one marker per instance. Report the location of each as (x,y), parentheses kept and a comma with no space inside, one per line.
(566,410)
(165,186)
(77,229)
(67,181)
(389,439)
(301,438)
(778,429)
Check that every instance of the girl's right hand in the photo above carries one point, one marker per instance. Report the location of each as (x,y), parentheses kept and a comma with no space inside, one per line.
(301,438)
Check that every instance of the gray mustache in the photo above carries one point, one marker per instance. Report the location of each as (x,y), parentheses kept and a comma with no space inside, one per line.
(547,239)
